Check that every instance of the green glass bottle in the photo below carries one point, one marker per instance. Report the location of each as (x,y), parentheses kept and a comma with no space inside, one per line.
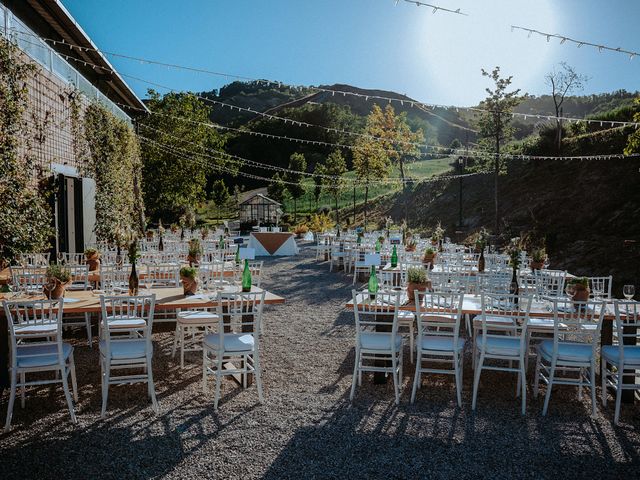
(246,277)
(238,256)
(221,243)
(378,246)
(394,257)
(373,282)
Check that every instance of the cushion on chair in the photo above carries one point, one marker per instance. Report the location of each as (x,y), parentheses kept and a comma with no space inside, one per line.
(499,345)
(44,328)
(378,341)
(47,354)
(233,342)
(405,317)
(572,352)
(494,319)
(631,354)
(197,317)
(538,322)
(125,321)
(125,349)
(440,343)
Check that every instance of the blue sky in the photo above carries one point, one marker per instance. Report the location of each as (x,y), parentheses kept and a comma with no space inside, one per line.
(368,43)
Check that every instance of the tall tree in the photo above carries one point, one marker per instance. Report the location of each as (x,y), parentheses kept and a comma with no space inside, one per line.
(219,195)
(370,159)
(175,179)
(563,81)
(495,123)
(335,167)
(297,163)
(318,182)
(277,190)
(633,141)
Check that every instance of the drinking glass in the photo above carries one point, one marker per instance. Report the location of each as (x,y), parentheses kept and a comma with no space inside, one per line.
(628,291)
(570,290)
(60,258)
(546,263)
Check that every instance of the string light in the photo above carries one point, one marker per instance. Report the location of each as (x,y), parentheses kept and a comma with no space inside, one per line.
(330,90)
(435,7)
(580,43)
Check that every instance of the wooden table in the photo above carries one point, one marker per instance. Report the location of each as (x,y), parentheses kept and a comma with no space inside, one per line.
(167,299)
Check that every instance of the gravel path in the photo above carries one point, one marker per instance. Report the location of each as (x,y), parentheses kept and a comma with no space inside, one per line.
(306,428)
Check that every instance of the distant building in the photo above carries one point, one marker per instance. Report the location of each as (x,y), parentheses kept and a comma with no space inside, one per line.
(260,209)
(37,26)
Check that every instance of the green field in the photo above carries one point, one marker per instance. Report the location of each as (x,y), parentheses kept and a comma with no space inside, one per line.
(421,169)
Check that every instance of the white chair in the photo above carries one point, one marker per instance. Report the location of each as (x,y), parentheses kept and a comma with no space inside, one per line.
(33,259)
(337,256)
(191,327)
(377,336)
(239,317)
(114,278)
(35,330)
(624,357)
(79,282)
(30,280)
(439,316)
(600,287)
(127,324)
(71,259)
(323,246)
(503,320)
(163,275)
(576,330)
(550,283)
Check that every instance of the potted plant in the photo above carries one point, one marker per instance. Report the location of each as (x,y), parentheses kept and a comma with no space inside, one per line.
(301,230)
(438,236)
(195,251)
(580,288)
(58,278)
(174,228)
(417,280)
(189,278)
(410,246)
(149,235)
(92,259)
(429,256)
(538,256)
(204,232)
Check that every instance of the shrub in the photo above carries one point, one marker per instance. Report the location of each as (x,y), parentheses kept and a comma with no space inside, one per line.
(417,275)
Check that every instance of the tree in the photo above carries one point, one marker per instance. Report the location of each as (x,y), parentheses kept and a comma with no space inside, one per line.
(175,178)
(335,167)
(563,81)
(455,145)
(318,182)
(219,195)
(370,158)
(495,122)
(633,141)
(297,163)
(277,190)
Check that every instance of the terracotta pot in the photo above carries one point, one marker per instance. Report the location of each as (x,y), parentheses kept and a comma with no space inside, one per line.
(55,289)
(420,287)
(189,285)
(581,293)
(409,248)
(93,262)
(193,260)
(429,258)
(536,265)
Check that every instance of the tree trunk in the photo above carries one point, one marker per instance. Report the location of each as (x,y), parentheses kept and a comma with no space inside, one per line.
(366,200)
(495,192)
(295,210)
(336,203)
(559,132)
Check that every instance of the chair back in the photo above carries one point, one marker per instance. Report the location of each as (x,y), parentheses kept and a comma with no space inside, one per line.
(35,322)
(71,258)
(140,306)
(211,273)
(112,277)
(494,282)
(439,314)
(163,274)
(550,283)
(33,259)
(627,325)
(28,279)
(600,287)
(576,322)
(79,277)
(372,312)
(239,312)
(505,314)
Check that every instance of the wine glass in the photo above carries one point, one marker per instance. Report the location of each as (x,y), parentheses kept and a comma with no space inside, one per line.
(598,290)
(60,257)
(628,291)
(570,290)
(147,283)
(546,263)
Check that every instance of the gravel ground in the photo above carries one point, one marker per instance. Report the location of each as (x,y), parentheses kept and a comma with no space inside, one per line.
(306,427)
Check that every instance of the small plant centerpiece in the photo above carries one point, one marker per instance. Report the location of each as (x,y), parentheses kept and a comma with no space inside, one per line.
(538,256)
(92,259)
(195,252)
(514,251)
(149,235)
(417,280)
(429,256)
(189,278)
(134,281)
(174,228)
(438,236)
(411,245)
(481,244)
(204,232)
(301,230)
(58,278)
(578,288)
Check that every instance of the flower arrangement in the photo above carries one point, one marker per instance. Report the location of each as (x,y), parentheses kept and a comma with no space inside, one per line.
(538,256)
(204,232)
(133,252)
(482,239)
(438,233)
(195,251)
(514,250)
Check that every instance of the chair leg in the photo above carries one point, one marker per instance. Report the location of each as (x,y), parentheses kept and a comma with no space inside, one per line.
(476,380)
(581,375)
(218,380)
(151,388)
(258,375)
(411,341)
(616,415)
(547,396)
(74,382)
(23,388)
(182,332)
(204,369)
(356,375)
(67,394)
(417,376)
(458,378)
(396,389)
(246,371)
(592,374)
(536,381)
(87,321)
(106,366)
(175,340)
(12,399)
(523,373)
(603,379)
